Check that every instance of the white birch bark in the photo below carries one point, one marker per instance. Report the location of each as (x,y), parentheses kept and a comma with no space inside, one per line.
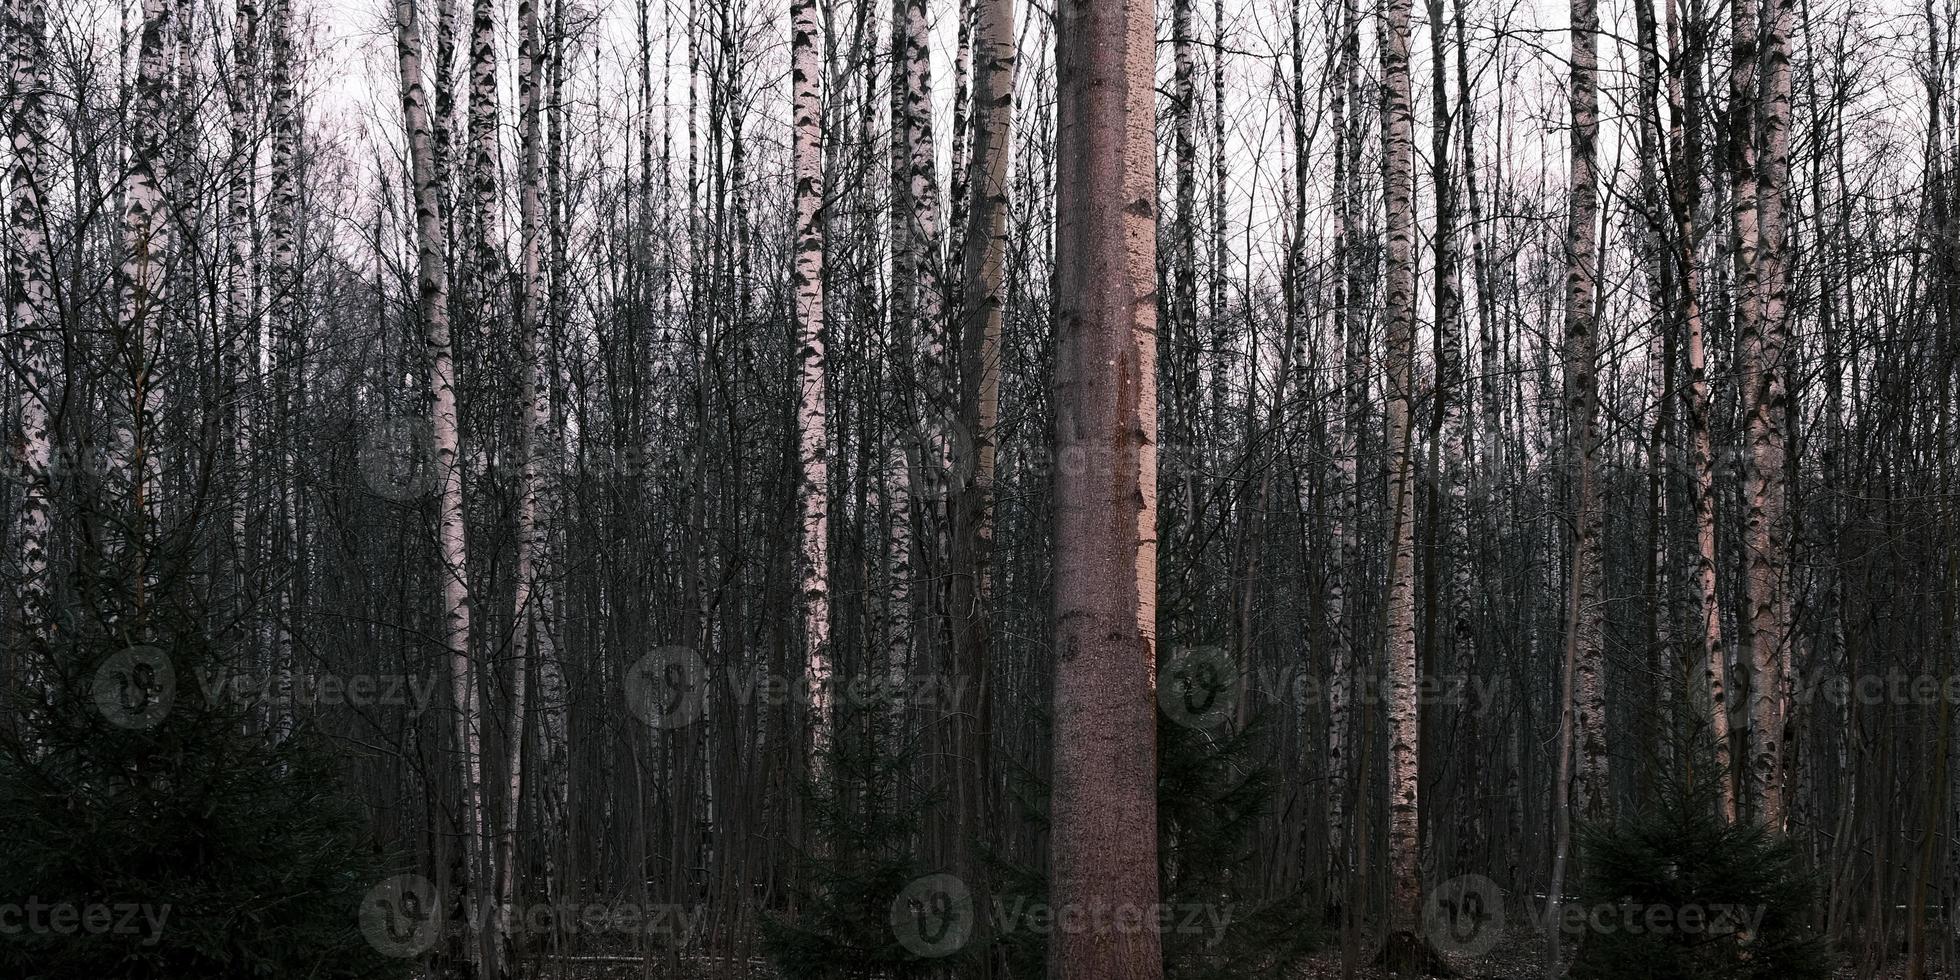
(241,319)
(283,310)
(903,306)
(487,268)
(1582,697)
(1346,421)
(554,755)
(432,282)
(1586,627)
(1398,175)
(531,603)
(140,276)
(1453,420)
(1181,410)
(1765,341)
(35,324)
(813,451)
(1683,188)
(982,311)
(933,466)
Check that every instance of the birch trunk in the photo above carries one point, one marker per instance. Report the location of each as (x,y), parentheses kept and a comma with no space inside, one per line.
(283,309)
(1683,193)
(35,318)
(554,755)
(813,451)
(983,301)
(902,342)
(1399,651)
(241,320)
(432,283)
(1582,700)
(486,268)
(1451,421)
(1182,331)
(923,186)
(531,605)
(1765,338)
(1585,612)
(1104,801)
(140,277)
(1347,421)
(483,272)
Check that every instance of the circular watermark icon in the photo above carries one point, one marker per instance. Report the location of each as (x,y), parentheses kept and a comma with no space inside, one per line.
(135,688)
(398,459)
(400,916)
(668,688)
(1464,915)
(1199,687)
(933,916)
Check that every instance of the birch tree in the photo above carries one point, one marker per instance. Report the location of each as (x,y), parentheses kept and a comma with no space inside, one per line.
(532,604)
(35,320)
(1760,238)
(983,297)
(432,308)
(140,278)
(242,324)
(1585,635)
(1684,191)
(1581,696)
(1399,651)
(813,453)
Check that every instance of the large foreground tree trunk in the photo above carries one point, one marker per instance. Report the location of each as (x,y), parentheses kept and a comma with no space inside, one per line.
(1104,805)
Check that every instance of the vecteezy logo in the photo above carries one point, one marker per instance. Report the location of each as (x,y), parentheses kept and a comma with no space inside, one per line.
(398,459)
(933,916)
(135,688)
(1199,687)
(1464,915)
(668,688)
(399,916)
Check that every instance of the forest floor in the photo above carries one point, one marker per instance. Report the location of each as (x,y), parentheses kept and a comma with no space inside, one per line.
(1520,955)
